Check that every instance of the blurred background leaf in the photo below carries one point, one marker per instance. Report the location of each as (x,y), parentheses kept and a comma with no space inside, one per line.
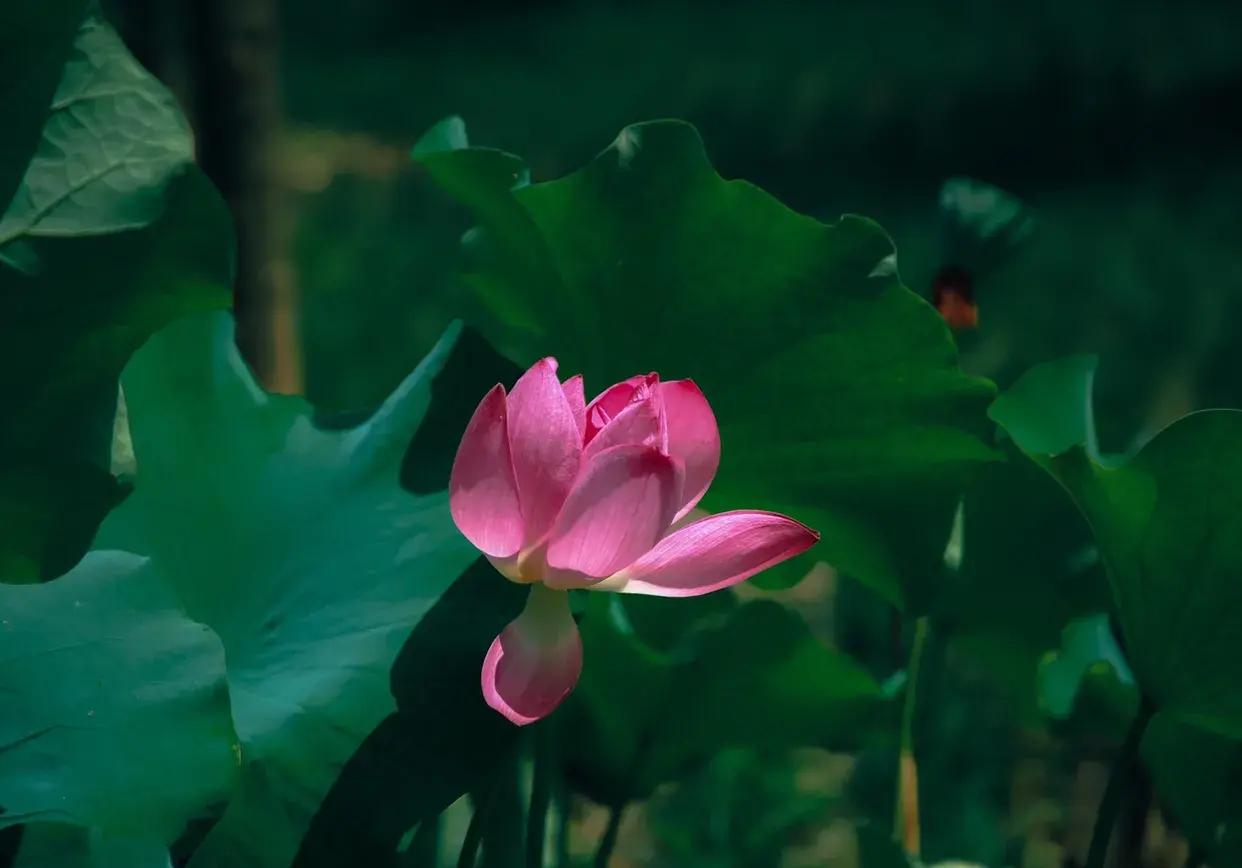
(1167,522)
(109,234)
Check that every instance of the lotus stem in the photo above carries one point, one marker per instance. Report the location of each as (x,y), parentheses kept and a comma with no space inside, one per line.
(1119,782)
(906,830)
(540,794)
(609,842)
(478,825)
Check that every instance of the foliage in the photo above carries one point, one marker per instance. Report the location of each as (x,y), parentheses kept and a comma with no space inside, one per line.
(257,641)
(647,259)
(107,232)
(647,714)
(1166,523)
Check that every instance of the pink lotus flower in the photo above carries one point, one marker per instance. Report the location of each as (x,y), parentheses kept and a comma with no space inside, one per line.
(562,494)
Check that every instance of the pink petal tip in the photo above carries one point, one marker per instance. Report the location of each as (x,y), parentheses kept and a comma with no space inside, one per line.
(693,438)
(714,553)
(546,445)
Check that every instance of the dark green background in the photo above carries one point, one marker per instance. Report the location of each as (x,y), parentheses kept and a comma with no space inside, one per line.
(1116,121)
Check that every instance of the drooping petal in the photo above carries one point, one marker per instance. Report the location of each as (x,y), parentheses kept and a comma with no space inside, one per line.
(546,446)
(608,403)
(576,397)
(714,553)
(483,493)
(638,424)
(617,510)
(693,438)
(535,662)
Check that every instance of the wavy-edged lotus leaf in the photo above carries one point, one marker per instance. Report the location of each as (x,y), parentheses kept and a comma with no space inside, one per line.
(746,676)
(117,713)
(107,233)
(1168,523)
(837,390)
(298,546)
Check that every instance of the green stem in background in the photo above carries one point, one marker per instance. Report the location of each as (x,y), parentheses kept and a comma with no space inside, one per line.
(478,825)
(424,849)
(540,793)
(561,800)
(906,831)
(1195,858)
(1119,782)
(609,842)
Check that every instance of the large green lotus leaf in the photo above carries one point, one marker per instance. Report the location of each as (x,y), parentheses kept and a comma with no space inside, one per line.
(298,546)
(112,139)
(50,845)
(35,36)
(837,390)
(49,511)
(109,233)
(753,676)
(116,706)
(1169,527)
(1028,566)
(442,741)
(1028,563)
(1047,411)
(1197,774)
(1198,777)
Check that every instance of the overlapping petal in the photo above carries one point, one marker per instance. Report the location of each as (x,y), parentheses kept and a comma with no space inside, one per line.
(483,494)
(638,424)
(546,446)
(535,662)
(610,402)
(620,505)
(714,553)
(575,394)
(693,438)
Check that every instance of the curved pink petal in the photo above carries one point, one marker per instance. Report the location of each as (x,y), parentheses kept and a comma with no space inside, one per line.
(620,505)
(535,662)
(546,446)
(576,396)
(638,424)
(608,403)
(693,438)
(483,494)
(714,553)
